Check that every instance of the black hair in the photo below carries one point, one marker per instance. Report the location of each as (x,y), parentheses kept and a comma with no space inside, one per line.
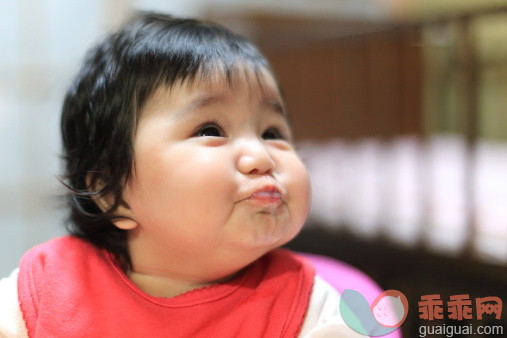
(102,107)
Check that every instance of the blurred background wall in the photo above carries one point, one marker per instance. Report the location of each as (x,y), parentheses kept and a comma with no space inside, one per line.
(399,109)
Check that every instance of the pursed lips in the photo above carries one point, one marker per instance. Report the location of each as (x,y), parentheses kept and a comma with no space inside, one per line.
(266,196)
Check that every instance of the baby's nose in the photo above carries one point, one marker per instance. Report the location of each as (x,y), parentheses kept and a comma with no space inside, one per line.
(255,159)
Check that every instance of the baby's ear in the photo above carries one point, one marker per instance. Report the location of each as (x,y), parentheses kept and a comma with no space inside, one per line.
(127,222)
(106,202)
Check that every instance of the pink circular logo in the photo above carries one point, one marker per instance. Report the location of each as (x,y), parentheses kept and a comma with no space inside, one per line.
(390,308)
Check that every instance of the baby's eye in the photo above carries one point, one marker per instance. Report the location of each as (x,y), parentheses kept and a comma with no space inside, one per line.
(272,134)
(209,129)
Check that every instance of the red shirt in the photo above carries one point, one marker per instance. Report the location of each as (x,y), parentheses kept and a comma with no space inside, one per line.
(67,288)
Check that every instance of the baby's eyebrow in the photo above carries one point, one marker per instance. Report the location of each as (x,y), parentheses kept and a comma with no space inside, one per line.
(204,101)
(200,102)
(211,99)
(275,105)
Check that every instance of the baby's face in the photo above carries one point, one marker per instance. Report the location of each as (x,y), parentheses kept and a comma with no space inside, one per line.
(217,181)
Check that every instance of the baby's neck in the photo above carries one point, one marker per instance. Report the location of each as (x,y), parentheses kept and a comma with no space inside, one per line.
(162,286)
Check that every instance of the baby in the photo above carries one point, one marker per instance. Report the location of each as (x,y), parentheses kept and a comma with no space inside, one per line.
(183,180)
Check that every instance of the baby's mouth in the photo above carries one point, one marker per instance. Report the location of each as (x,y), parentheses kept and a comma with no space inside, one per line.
(266,196)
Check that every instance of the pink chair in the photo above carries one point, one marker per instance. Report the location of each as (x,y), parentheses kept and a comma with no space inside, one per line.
(344,276)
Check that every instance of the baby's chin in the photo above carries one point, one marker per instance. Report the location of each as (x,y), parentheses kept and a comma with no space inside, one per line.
(273,229)
(271,236)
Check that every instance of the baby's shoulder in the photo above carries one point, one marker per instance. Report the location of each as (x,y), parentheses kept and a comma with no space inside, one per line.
(60,245)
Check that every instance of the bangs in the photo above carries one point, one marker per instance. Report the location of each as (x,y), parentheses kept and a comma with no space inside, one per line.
(258,80)
(167,52)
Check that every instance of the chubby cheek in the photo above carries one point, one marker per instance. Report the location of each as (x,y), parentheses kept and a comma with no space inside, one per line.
(182,189)
(204,187)
(297,183)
